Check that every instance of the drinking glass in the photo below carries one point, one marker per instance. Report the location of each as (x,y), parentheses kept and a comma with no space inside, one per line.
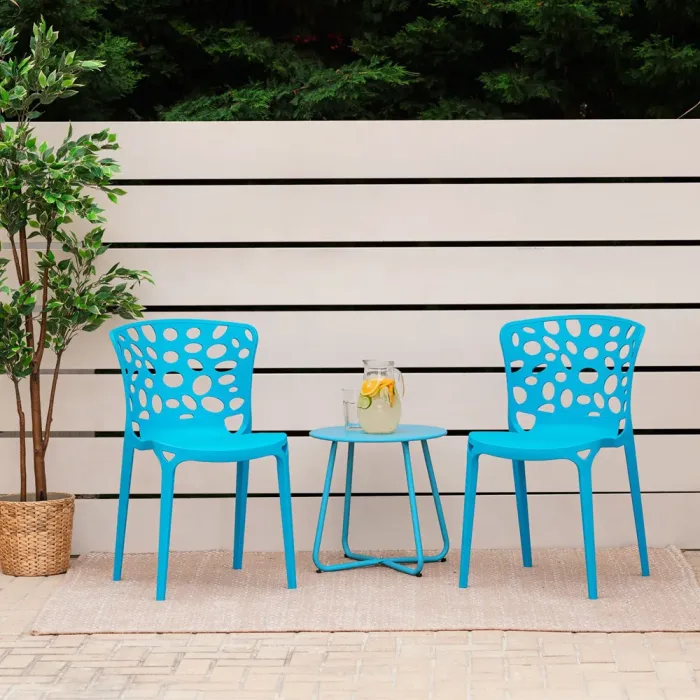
(352,422)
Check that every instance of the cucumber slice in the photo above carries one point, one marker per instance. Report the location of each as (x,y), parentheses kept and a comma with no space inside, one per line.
(364,402)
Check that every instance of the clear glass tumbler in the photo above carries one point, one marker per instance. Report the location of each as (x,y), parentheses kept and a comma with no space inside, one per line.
(352,422)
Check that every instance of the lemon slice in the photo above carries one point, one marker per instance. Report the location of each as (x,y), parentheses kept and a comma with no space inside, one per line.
(370,387)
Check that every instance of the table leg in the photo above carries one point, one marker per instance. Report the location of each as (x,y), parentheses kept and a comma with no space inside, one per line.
(438,506)
(346,509)
(394,563)
(322,517)
(348,496)
(324,505)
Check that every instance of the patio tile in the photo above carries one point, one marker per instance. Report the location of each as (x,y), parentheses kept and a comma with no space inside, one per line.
(78,675)
(157,658)
(673,672)
(637,660)
(12,661)
(595,653)
(227,674)
(68,640)
(262,682)
(273,652)
(47,668)
(645,694)
(558,649)
(142,692)
(193,667)
(490,665)
(128,654)
(107,682)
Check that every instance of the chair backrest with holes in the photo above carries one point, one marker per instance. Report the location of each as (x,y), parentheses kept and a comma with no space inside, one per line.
(570,369)
(181,373)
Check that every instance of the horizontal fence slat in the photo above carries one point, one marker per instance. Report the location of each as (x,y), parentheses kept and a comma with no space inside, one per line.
(401,149)
(416,275)
(91,466)
(410,338)
(304,402)
(372,213)
(384,523)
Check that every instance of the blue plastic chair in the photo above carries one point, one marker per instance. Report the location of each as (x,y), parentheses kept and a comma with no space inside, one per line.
(569,384)
(188,398)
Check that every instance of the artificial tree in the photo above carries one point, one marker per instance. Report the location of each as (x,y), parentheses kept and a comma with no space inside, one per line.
(56,290)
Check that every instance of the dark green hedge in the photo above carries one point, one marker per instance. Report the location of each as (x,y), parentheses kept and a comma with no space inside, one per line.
(378,59)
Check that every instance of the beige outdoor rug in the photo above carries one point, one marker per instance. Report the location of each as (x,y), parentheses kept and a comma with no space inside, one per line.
(206,595)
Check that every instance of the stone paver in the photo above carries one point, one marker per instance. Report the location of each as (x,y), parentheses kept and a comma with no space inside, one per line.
(480,665)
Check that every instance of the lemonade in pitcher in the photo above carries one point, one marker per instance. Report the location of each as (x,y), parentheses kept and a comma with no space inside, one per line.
(379,403)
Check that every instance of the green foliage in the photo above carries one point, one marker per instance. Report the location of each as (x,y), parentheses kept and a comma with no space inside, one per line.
(295,85)
(378,59)
(44,191)
(16,352)
(81,298)
(86,27)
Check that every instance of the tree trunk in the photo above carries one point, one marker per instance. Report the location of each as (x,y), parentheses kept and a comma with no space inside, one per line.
(22,446)
(52,398)
(24,255)
(34,386)
(37,438)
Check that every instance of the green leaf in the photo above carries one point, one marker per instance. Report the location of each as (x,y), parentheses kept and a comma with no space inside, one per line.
(92,65)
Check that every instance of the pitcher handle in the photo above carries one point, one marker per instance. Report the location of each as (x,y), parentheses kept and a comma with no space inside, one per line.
(398,376)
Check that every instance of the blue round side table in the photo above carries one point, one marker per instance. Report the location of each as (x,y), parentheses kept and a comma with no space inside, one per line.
(403,434)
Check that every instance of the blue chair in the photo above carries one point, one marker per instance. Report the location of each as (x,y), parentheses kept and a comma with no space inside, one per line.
(188,398)
(569,384)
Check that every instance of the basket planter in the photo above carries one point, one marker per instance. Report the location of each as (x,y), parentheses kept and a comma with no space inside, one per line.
(35,536)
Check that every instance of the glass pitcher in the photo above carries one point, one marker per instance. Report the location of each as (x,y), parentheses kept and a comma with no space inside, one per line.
(379,403)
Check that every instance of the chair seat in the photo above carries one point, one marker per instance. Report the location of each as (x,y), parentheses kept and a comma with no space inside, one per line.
(546,442)
(207,445)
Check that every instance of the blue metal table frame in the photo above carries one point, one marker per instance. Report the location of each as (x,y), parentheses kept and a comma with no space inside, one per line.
(404,434)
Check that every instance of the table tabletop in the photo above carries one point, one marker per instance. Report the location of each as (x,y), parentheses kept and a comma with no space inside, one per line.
(404,433)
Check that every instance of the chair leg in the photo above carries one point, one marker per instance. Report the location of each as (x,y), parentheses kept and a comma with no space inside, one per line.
(523,515)
(348,496)
(468,519)
(167,493)
(287,522)
(123,511)
(586,495)
(242,469)
(635,491)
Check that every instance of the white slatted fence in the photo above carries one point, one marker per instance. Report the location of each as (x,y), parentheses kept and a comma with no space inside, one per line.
(413,241)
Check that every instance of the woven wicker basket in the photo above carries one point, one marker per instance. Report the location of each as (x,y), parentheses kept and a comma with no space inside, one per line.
(35,536)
